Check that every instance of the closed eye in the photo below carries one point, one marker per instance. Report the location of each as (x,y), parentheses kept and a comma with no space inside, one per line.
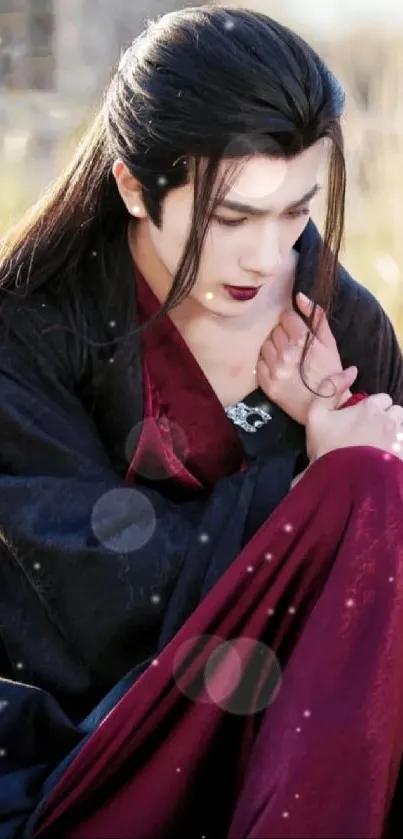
(230,222)
(303,211)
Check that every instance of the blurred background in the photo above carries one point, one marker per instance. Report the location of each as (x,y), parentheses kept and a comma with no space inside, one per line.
(56,57)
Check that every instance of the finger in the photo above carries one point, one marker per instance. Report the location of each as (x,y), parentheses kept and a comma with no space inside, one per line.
(379,401)
(268,354)
(320,322)
(294,326)
(280,339)
(292,355)
(263,375)
(333,387)
(273,367)
(396,412)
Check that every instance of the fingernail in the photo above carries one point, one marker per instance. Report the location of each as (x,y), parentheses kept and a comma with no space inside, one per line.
(304,297)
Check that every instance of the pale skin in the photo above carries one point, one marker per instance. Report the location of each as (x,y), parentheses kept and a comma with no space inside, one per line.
(242,345)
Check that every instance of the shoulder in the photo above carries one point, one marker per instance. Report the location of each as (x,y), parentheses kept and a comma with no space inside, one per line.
(364,333)
(366,338)
(355,308)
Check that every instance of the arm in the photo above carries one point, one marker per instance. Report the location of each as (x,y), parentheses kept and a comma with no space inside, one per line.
(76,612)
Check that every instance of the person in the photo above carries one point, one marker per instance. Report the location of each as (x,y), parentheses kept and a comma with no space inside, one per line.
(199,602)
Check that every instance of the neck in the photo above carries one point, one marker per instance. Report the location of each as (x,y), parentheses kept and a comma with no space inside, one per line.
(146,260)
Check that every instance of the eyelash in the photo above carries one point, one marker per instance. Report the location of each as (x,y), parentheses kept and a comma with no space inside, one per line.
(237,222)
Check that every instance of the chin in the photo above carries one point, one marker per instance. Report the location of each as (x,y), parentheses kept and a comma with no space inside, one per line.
(226,308)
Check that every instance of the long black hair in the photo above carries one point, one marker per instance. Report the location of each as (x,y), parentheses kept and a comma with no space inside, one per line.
(197,87)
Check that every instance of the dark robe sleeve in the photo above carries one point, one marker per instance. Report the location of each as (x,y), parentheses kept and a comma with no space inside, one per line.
(89,564)
(366,338)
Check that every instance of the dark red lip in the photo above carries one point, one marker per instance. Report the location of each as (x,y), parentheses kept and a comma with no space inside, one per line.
(242,292)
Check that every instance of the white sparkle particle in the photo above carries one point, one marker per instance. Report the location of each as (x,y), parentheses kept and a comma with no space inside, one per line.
(204,537)
(179,769)
(391,579)
(297,795)
(399,435)
(286,815)
(111,360)
(307,713)
(288,528)
(298,730)
(162,181)
(19,665)
(94,253)
(3,704)
(271,611)
(112,324)
(350,603)
(43,305)
(254,372)
(292,610)
(387,456)
(3,753)
(37,566)
(123,520)
(268,557)
(155,662)
(229,24)
(250,568)
(396,447)
(209,295)
(155,598)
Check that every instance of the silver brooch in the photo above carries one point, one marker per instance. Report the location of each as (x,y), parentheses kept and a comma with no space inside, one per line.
(242,414)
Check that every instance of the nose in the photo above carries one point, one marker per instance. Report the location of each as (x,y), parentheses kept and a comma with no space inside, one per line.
(264,255)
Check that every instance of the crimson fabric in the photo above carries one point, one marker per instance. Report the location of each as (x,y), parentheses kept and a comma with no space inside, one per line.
(355,399)
(186,434)
(321,585)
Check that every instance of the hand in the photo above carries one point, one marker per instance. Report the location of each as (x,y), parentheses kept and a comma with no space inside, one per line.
(374,422)
(278,367)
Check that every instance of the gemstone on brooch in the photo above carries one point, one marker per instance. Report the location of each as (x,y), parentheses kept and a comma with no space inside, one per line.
(248,417)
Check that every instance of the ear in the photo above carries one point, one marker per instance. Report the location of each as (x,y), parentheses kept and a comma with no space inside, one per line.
(130,189)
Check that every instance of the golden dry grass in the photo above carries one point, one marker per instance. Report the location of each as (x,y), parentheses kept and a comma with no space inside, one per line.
(371,70)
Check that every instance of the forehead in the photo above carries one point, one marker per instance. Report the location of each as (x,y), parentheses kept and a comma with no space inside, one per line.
(271,182)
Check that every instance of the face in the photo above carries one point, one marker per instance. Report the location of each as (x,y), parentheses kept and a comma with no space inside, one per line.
(250,239)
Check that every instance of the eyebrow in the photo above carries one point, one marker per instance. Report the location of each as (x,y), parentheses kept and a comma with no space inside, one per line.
(259,211)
